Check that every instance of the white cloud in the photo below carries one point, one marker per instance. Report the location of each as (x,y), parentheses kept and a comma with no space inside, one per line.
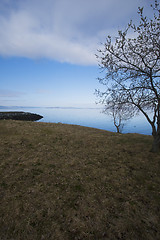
(64,30)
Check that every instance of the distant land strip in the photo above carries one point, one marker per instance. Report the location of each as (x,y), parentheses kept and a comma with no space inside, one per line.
(24,116)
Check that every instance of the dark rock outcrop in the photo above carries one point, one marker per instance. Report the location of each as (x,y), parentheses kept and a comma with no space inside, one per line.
(24,116)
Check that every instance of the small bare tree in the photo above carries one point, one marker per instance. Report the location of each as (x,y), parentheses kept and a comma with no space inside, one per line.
(132,69)
(120,114)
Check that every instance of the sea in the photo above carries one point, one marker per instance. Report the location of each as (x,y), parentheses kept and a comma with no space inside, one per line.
(88,117)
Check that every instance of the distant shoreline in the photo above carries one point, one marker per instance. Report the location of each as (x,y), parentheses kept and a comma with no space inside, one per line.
(18,107)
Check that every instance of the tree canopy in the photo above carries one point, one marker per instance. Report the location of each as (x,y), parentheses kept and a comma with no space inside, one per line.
(132,70)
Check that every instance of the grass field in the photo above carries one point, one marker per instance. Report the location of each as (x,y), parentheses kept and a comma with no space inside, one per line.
(67,182)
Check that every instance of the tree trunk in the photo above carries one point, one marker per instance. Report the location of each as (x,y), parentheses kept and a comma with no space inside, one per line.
(156,142)
(118,131)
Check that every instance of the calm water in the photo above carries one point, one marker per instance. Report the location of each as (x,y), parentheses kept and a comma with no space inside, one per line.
(86,117)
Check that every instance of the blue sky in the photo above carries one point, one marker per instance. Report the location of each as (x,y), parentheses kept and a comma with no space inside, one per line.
(48,47)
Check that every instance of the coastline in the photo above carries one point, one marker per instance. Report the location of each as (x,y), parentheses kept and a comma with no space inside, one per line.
(19,115)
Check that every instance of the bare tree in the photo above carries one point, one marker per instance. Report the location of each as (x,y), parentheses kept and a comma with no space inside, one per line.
(120,114)
(118,120)
(132,70)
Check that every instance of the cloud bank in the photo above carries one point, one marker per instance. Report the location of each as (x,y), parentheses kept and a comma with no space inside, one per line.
(62,30)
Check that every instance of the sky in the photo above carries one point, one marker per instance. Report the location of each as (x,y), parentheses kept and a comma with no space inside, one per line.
(48,47)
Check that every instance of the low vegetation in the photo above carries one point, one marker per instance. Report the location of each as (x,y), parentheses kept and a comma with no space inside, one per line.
(67,182)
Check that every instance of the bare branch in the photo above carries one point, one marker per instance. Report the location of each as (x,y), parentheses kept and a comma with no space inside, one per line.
(132,71)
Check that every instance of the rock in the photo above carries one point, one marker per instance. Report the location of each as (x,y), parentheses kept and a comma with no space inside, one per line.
(24,116)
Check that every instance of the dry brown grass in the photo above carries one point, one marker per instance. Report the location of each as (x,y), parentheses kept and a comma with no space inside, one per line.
(67,182)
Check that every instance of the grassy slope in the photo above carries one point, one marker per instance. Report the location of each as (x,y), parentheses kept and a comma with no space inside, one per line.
(70,182)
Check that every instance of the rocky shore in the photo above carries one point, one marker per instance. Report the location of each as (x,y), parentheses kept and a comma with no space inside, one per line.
(24,116)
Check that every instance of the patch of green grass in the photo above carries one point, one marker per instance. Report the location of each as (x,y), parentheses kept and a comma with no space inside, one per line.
(69,182)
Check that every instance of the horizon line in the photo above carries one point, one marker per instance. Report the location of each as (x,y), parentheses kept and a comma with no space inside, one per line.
(56,107)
